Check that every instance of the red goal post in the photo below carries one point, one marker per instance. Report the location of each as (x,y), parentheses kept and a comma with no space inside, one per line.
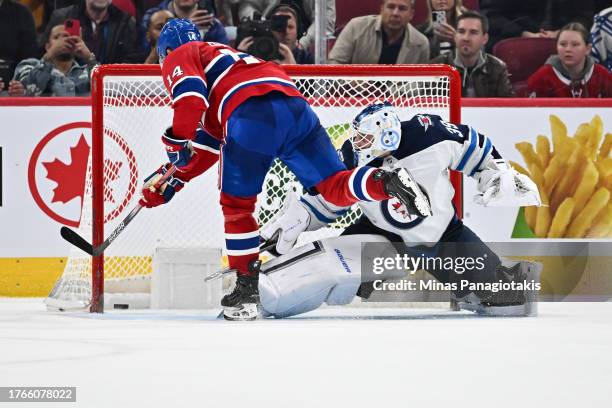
(119,92)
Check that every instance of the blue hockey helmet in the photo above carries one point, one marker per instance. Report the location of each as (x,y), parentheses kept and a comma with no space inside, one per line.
(175,33)
(375,131)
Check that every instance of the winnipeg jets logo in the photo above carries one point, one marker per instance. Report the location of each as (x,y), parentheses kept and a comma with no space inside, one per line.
(396,214)
(400,210)
(424,121)
(192,36)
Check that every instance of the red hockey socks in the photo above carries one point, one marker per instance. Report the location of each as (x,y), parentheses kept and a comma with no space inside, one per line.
(241,231)
(346,187)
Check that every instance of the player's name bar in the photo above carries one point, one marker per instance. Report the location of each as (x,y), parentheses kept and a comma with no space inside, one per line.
(37,394)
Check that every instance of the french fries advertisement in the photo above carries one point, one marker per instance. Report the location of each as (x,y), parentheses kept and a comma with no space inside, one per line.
(574,175)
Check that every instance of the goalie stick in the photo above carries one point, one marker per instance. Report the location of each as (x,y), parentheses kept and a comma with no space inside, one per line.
(265,246)
(80,242)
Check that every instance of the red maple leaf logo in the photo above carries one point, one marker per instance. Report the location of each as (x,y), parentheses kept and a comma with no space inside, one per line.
(70,178)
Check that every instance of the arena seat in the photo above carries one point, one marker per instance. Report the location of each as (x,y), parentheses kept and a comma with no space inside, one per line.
(471,4)
(524,56)
(348,9)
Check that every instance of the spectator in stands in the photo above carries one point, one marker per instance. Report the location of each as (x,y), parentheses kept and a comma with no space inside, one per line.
(482,74)
(441,35)
(108,32)
(58,73)
(307,41)
(388,38)
(156,23)
(200,13)
(245,9)
(17,38)
(601,34)
(289,47)
(572,73)
(530,18)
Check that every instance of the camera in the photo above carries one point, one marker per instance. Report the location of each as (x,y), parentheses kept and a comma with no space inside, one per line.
(265,45)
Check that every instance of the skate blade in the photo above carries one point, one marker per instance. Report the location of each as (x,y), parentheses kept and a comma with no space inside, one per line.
(420,201)
(524,310)
(218,274)
(245,312)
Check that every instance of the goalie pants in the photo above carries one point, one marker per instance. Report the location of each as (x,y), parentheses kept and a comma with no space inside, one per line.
(457,241)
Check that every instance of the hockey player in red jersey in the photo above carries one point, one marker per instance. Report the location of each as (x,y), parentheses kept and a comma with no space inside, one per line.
(232,107)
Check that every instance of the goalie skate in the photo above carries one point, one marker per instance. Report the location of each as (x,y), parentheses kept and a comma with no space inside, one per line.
(509,303)
(400,184)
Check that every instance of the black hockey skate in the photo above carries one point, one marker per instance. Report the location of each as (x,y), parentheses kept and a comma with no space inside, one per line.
(242,303)
(505,297)
(400,184)
(505,302)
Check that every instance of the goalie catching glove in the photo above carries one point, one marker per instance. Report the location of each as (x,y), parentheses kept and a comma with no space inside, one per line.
(154,194)
(501,185)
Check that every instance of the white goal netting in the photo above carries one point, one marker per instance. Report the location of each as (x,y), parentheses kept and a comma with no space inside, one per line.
(136,112)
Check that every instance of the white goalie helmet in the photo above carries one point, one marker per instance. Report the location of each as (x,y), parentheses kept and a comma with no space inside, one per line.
(375,130)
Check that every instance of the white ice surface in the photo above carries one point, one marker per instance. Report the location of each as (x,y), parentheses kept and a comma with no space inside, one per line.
(330,358)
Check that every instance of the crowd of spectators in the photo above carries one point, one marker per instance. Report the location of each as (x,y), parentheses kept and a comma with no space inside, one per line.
(49,48)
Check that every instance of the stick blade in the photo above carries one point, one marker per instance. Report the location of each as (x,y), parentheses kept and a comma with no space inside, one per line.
(76,240)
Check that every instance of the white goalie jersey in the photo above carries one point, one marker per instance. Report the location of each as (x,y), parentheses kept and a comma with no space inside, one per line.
(429,148)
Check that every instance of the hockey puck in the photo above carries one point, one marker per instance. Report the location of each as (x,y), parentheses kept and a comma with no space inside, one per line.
(120,306)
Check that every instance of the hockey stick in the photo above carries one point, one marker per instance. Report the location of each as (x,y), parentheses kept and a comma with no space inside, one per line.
(264,246)
(79,242)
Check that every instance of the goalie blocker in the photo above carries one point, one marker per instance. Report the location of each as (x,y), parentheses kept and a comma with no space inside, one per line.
(329,271)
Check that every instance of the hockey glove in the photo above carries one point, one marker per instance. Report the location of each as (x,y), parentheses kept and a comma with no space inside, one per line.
(500,185)
(298,214)
(154,194)
(179,151)
(284,229)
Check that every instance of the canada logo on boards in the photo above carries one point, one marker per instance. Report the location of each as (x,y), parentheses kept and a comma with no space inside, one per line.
(58,174)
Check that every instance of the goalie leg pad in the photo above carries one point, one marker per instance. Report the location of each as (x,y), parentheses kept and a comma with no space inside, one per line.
(327,271)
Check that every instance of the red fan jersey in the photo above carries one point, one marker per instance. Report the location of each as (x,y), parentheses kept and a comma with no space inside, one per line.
(207,81)
(550,82)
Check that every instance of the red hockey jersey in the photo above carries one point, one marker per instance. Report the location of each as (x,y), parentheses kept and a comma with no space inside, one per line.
(550,82)
(207,81)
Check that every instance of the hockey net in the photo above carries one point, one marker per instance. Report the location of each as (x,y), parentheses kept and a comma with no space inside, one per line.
(131,109)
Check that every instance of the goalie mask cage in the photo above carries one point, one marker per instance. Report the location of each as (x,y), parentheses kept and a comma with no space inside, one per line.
(131,109)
